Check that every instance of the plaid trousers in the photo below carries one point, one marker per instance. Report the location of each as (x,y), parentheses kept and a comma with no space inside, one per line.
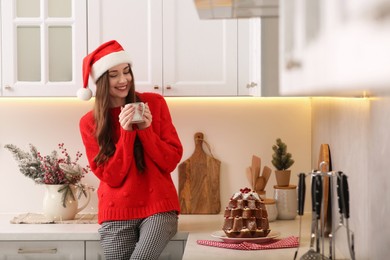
(138,238)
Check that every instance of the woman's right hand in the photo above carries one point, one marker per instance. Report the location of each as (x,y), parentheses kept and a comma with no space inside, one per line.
(126,116)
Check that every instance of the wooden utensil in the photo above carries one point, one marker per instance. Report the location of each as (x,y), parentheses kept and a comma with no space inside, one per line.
(256,164)
(249,176)
(260,184)
(266,174)
(199,191)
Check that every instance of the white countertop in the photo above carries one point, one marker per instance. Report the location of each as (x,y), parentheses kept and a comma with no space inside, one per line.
(197,227)
(41,232)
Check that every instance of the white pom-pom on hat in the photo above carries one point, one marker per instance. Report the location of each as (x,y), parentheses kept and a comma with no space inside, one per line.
(84,93)
(106,56)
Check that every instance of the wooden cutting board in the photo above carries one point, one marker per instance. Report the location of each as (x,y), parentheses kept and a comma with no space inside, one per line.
(199,191)
(324,156)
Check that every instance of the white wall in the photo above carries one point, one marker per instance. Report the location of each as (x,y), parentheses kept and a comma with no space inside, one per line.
(357,131)
(235,128)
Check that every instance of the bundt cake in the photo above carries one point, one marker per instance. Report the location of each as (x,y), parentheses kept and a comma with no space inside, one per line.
(246,216)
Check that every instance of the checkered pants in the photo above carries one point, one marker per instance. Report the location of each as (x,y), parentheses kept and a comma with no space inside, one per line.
(139,238)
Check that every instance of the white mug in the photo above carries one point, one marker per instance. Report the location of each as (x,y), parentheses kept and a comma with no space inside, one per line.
(139,113)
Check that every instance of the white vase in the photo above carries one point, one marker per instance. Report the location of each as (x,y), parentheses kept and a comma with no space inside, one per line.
(53,207)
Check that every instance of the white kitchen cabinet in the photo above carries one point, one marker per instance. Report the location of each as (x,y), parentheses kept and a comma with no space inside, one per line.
(42,250)
(42,46)
(93,251)
(174,52)
(173,251)
(334,47)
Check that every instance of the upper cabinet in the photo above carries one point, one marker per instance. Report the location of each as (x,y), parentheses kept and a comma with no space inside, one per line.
(174,52)
(43,43)
(334,47)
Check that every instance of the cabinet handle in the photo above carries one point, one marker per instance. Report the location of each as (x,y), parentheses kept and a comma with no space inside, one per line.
(293,64)
(37,251)
(251,85)
(169,87)
(156,87)
(7,87)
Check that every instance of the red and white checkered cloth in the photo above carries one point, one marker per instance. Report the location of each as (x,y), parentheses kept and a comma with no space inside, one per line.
(287,242)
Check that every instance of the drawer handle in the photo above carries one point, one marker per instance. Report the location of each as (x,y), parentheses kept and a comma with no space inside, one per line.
(37,251)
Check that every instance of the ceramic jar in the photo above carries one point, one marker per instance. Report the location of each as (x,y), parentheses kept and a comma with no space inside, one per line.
(270,205)
(286,201)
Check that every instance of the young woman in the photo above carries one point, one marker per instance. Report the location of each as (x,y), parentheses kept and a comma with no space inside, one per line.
(138,203)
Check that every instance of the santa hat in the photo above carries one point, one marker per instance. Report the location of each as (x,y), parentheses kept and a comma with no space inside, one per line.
(96,63)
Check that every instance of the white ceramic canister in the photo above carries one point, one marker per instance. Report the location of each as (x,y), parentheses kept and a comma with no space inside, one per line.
(286,201)
(270,205)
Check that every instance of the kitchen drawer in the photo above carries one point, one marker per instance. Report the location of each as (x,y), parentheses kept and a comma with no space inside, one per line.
(173,251)
(41,250)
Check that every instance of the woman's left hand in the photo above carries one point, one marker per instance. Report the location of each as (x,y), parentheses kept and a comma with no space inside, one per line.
(147,118)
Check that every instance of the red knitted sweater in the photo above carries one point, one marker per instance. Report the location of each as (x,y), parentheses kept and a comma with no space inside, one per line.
(124,193)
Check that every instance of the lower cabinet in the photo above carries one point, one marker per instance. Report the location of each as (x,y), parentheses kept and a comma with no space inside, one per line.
(71,250)
(173,251)
(41,250)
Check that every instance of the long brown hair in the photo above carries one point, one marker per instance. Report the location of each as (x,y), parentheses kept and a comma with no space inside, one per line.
(104,122)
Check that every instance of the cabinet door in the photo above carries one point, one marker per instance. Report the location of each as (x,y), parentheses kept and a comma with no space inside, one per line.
(173,251)
(43,43)
(334,47)
(93,251)
(42,250)
(199,56)
(249,57)
(291,45)
(136,25)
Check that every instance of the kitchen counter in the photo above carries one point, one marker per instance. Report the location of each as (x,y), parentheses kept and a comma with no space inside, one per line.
(191,228)
(13,232)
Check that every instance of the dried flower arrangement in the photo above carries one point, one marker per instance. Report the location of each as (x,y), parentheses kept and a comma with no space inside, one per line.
(51,169)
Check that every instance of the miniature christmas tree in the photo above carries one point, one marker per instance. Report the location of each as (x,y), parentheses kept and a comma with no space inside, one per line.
(281,159)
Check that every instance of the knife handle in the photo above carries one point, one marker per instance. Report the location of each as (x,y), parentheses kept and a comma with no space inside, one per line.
(301,193)
(339,196)
(318,195)
(313,193)
(345,193)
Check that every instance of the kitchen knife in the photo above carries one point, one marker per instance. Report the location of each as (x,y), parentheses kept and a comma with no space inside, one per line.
(313,214)
(343,193)
(301,193)
(301,203)
(313,254)
(318,199)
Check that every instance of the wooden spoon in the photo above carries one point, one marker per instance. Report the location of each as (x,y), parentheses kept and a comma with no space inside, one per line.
(249,176)
(260,184)
(256,164)
(266,174)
